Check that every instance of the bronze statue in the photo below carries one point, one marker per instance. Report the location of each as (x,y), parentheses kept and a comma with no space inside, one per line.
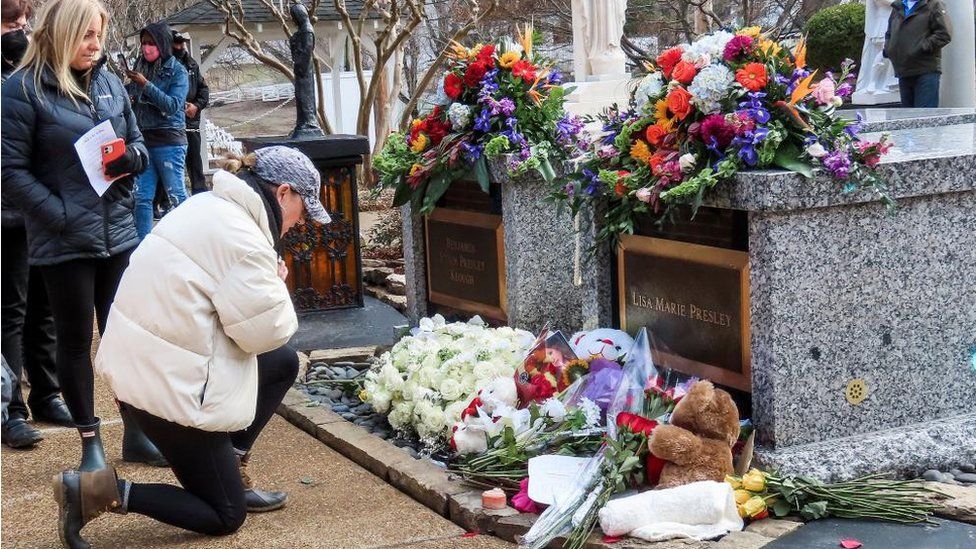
(302,45)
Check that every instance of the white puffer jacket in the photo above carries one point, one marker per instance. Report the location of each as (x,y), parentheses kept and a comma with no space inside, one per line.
(200,299)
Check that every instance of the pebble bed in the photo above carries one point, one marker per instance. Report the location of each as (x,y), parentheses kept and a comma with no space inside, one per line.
(964,474)
(337,387)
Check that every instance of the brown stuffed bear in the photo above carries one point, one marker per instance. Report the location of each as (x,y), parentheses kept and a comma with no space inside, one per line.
(697,444)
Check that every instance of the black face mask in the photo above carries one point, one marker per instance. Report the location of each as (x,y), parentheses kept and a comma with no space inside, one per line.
(13,45)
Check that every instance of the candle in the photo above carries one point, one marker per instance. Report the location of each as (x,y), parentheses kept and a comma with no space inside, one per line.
(493,499)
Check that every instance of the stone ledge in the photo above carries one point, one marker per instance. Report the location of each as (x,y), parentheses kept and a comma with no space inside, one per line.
(424,482)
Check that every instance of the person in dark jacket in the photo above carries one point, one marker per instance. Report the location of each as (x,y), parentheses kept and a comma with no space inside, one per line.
(917,32)
(80,241)
(27,322)
(158,91)
(197,99)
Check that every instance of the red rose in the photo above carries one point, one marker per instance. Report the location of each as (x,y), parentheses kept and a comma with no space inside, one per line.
(655,134)
(635,423)
(476,71)
(452,85)
(653,466)
(679,102)
(668,59)
(525,70)
(684,72)
(541,388)
(437,130)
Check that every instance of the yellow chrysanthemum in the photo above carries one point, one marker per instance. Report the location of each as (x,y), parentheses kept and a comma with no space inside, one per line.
(416,122)
(641,151)
(508,59)
(419,143)
(363,395)
(769,47)
(750,31)
(413,171)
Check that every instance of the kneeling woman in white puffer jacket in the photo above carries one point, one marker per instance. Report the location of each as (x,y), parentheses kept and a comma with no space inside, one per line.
(195,348)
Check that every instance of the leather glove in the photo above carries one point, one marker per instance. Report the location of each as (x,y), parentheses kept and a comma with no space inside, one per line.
(121,189)
(130,162)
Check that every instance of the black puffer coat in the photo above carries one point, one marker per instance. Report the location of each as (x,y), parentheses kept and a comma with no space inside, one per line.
(42,174)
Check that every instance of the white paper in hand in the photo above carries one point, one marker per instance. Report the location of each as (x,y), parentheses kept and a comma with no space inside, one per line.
(551,477)
(89,148)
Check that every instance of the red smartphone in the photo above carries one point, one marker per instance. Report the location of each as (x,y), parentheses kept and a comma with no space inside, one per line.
(112,150)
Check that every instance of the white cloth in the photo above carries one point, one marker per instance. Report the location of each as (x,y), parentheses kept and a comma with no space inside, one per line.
(200,299)
(700,510)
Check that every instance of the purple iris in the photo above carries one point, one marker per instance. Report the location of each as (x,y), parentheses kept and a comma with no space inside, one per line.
(855,128)
(754,107)
(555,78)
(482,122)
(747,145)
(567,127)
(505,106)
(472,152)
(594,181)
(488,86)
(844,90)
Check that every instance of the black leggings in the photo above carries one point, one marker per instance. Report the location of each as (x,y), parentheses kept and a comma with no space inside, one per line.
(211,500)
(79,290)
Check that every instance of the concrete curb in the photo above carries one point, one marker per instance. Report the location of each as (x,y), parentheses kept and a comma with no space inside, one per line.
(461,504)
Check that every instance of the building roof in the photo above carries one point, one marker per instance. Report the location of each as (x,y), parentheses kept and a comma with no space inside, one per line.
(205,13)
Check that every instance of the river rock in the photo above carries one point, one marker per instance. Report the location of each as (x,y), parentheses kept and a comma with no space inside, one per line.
(932,475)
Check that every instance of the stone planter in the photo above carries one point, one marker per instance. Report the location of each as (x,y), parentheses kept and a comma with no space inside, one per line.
(507,256)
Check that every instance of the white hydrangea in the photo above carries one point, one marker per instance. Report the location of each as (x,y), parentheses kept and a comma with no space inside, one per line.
(649,89)
(710,86)
(706,49)
(553,408)
(426,380)
(459,115)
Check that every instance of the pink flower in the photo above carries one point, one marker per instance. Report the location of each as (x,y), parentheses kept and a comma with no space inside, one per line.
(825,91)
(737,47)
(644,194)
(521,501)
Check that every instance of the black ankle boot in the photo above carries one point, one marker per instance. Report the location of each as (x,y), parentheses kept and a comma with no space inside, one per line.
(92,453)
(258,501)
(136,446)
(82,496)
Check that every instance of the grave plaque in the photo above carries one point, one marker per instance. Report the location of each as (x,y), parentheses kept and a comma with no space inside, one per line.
(694,299)
(465,262)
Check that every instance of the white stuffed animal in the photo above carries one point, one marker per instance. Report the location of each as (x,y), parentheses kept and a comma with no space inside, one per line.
(601,343)
(499,393)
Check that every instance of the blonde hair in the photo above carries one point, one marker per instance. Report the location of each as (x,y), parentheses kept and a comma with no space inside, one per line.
(234,163)
(60,30)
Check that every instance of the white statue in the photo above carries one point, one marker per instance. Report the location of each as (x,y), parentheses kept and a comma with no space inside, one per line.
(598,26)
(876,81)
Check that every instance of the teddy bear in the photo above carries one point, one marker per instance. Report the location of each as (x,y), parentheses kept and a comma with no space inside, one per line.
(696,444)
(601,343)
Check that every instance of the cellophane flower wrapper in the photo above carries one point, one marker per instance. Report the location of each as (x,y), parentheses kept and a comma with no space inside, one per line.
(545,371)
(561,517)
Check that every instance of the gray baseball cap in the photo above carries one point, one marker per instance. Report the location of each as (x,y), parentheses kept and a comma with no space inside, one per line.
(281,165)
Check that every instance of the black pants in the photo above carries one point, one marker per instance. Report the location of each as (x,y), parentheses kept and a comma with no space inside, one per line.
(920,91)
(28,341)
(79,290)
(211,500)
(194,161)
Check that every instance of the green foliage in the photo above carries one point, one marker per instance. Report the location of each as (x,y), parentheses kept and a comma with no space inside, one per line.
(835,34)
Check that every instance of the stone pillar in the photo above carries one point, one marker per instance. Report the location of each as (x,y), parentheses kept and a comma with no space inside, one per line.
(596,272)
(415,263)
(959,58)
(541,256)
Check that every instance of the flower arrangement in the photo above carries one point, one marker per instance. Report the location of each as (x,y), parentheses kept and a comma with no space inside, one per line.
(871,497)
(710,109)
(495,99)
(427,380)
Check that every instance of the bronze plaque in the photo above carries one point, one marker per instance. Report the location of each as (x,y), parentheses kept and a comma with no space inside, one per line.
(466,262)
(694,300)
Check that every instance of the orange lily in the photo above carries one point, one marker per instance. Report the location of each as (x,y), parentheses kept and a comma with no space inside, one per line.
(802,89)
(800,53)
(458,51)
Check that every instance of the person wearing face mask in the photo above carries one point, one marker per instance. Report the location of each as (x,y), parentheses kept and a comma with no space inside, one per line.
(197,99)
(28,325)
(158,91)
(79,241)
(196,346)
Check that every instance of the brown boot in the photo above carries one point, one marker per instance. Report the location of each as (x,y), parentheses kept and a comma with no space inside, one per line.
(82,496)
(259,501)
